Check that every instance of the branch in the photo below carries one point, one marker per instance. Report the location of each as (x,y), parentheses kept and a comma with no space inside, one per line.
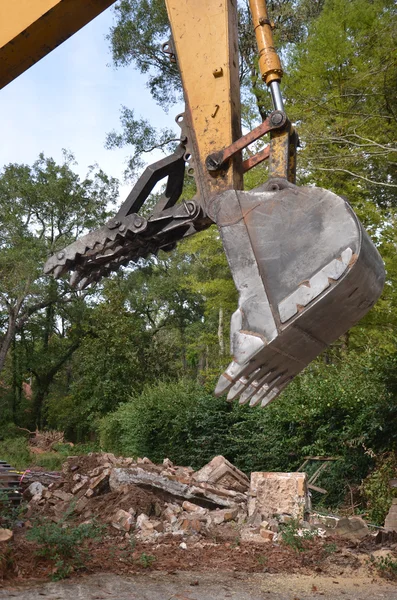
(392,185)
(38,306)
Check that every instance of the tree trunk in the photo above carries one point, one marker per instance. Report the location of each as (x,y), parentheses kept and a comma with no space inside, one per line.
(7,340)
(221,337)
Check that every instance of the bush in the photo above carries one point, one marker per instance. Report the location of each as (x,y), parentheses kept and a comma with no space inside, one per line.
(62,544)
(15,451)
(180,420)
(340,409)
(376,489)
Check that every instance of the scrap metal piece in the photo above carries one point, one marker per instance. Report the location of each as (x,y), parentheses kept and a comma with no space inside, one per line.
(306,272)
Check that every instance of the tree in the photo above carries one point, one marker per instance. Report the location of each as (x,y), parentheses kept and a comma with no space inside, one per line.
(43,208)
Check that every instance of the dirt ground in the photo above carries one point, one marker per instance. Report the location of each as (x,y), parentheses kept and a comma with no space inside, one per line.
(192,585)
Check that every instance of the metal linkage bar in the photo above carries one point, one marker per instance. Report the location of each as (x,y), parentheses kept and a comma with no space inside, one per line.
(217,161)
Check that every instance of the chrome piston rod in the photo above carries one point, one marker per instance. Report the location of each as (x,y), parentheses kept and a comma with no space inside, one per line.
(277,98)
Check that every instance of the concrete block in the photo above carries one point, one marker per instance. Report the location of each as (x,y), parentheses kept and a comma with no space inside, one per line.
(274,494)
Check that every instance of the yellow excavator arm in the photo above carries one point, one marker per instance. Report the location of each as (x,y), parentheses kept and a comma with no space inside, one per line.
(30,29)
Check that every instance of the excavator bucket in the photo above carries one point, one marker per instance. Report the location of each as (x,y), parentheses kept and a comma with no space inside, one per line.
(306,272)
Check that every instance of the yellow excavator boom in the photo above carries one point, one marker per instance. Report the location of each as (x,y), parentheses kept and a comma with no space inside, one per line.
(30,29)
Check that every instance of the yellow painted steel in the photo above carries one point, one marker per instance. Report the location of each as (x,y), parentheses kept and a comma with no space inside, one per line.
(269,62)
(30,29)
(205,39)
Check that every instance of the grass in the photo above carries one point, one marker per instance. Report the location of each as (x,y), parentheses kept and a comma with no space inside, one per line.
(15,451)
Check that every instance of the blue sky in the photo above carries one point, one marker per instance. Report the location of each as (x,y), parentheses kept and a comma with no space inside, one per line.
(71,99)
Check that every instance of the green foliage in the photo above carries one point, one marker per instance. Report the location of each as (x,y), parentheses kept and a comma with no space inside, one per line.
(10,514)
(293,536)
(63,544)
(330,548)
(146,560)
(376,488)
(167,419)
(15,451)
(340,409)
(386,566)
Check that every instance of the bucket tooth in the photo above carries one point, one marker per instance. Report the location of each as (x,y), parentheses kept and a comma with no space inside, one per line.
(306,271)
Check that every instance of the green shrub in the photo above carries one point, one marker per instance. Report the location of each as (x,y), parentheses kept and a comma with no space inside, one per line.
(376,489)
(146,560)
(180,420)
(62,544)
(15,451)
(10,513)
(386,566)
(293,536)
(340,409)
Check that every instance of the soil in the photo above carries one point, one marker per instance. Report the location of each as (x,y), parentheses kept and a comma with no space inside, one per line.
(194,585)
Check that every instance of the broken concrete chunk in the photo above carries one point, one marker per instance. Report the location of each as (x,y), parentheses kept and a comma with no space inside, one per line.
(193,508)
(122,520)
(95,472)
(204,496)
(266,534)
(99,484)
(167,463)
(352,528)
(391,518)
(6,535)
(81,504)
(279,493)
(142,518)
(221,516)
(79,485)
(144,461)
(248,535)
(189,525)
(221,472)
(35,489)
(64,496)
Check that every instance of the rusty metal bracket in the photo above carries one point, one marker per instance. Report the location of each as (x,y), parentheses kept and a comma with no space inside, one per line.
(168,48)
(217,161)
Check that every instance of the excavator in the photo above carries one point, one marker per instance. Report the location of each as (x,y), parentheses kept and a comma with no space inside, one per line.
(305,269)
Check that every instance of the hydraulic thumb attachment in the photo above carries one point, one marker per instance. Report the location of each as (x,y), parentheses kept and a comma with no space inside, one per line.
(305,269)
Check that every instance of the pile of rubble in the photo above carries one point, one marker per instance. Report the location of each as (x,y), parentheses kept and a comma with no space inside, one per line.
(155,501)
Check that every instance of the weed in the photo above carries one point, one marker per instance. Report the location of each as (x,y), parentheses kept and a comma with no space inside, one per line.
(330,548)
(146,560)
(385,565)
(292,535)
(63,544)
(10,514)
(262,560)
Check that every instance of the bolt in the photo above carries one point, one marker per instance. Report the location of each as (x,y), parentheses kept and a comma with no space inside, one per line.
(122,228)
(212,163)
(277,118)
(113,223)
(138,222)
(191,207)
(60,255)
